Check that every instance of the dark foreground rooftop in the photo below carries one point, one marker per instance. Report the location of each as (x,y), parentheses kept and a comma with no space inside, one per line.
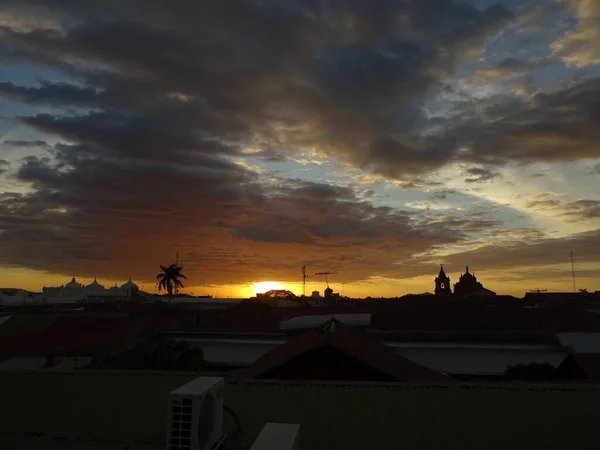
(126,410)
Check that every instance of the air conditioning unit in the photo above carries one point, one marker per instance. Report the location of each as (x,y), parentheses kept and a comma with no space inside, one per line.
(195,417)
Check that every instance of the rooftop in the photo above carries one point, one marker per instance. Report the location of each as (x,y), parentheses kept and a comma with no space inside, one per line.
(356,349)
(83,334)
(127,410)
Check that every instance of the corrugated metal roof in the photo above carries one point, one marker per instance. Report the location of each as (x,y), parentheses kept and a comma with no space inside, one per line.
(76,410)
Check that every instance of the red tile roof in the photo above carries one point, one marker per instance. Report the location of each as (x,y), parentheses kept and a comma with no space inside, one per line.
(89,334)
(350,342)
(589,363)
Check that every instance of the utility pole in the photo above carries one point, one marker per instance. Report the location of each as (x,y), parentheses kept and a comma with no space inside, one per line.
(177,265)
(573,271)
(304,281)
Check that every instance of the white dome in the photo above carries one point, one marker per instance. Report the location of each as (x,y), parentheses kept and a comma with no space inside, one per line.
(129,285)
(72,284)
(94,285)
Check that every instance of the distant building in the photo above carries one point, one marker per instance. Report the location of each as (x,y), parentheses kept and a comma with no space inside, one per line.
(74,292)
(12,297)
(442,283)
(468,285)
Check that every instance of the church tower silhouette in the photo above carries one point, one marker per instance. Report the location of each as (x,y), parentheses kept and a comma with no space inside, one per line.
(442,283)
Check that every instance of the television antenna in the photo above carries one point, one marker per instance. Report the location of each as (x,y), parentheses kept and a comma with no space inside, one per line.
(179,263)
(304,277)
(326,275)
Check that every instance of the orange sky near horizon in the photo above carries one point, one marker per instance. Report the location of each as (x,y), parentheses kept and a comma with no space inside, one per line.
(34,281)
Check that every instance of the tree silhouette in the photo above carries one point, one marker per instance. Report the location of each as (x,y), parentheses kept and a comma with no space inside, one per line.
(169,278)
(159,354)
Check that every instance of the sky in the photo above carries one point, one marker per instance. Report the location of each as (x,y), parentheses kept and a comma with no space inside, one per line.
(375,139)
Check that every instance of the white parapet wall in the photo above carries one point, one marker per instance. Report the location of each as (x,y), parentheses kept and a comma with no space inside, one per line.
(278,436)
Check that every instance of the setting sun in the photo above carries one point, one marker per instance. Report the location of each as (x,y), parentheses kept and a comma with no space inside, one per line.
(265,286)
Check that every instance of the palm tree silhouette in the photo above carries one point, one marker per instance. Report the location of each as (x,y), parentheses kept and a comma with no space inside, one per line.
(169,278)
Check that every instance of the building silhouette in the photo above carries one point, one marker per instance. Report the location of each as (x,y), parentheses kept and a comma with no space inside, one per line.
(468,285)
(442,283)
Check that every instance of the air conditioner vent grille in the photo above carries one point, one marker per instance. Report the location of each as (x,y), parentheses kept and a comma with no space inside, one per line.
(181,425)
(196,415)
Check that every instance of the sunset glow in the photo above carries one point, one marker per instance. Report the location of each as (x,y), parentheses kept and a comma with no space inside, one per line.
(265,286)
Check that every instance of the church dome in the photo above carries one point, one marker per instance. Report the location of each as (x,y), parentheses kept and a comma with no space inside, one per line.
(467,274)
(94,285)
(129,285)
(72,284)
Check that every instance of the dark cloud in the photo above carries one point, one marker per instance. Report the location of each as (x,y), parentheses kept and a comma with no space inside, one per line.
(480,175)
(529,253)
(270,155)
(515,233)
(555,126)
(506,68)
(583,209)
(516,259)
(144,138)
(55,94)
(268,75)
(4,165)
(544,204)
(92,213)
(27,144)
(443,194)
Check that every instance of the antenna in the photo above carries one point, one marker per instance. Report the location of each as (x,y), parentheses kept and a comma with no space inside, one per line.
(573,271)
(326,275)
(304,277)
(538,290)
